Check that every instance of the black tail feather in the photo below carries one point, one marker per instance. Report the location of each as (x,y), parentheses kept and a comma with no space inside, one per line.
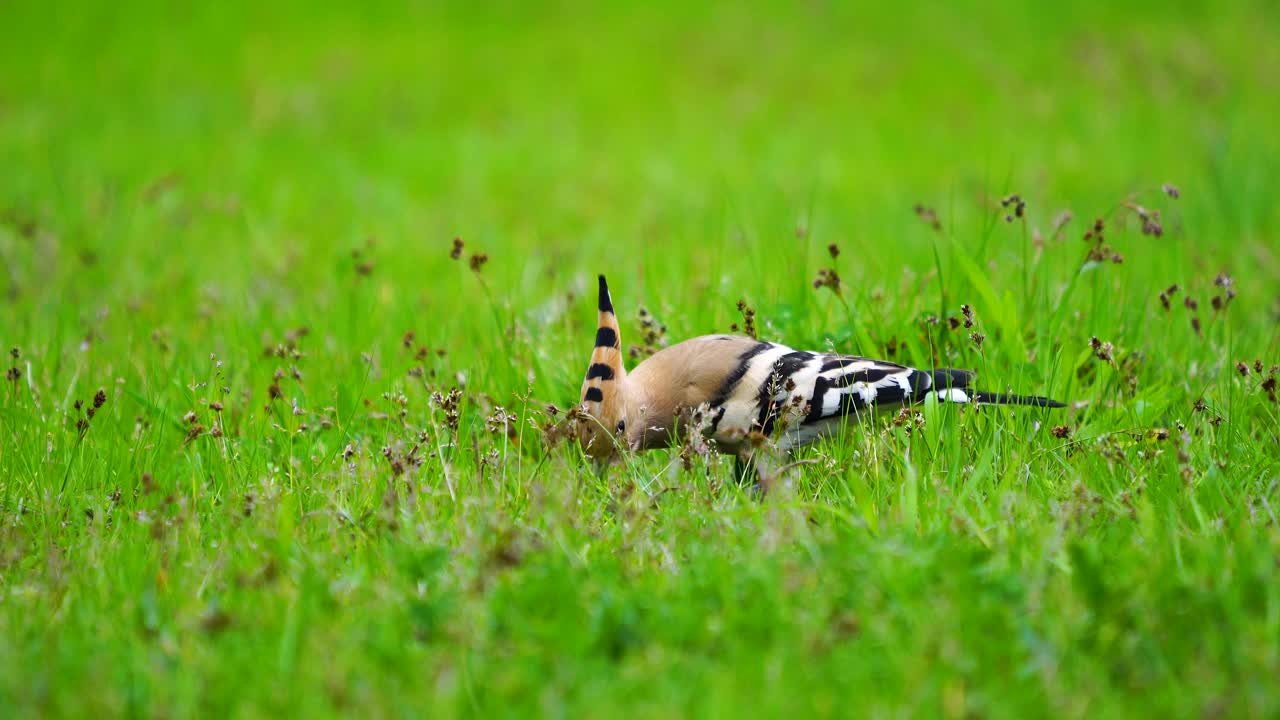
(950,378)
(990,398)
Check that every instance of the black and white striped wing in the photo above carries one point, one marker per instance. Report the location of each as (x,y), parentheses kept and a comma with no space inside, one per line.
(771,380)
(847,384)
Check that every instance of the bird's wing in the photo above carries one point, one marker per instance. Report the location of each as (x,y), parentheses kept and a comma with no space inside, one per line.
(769,379)
(845,384)
(820,386)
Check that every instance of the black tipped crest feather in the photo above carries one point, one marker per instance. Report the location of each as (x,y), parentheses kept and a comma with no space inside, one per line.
(604,303)
(602,387)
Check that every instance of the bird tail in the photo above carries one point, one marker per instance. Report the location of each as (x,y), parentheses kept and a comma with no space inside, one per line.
(602,397)
(990,398)
(953,386)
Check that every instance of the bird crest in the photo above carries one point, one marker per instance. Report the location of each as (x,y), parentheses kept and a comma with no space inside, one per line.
(602,396)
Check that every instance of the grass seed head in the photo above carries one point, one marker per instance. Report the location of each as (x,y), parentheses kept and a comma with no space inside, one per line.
(1220,302)
(1269,387)
(929,216)
(1016,205)
(449,405)
(827,278)
(653,334)
(1104,351)
(694,443)
(501,422)
(1151,224)
(748,318)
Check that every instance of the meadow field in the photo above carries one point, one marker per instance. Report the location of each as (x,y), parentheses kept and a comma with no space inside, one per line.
(295,296)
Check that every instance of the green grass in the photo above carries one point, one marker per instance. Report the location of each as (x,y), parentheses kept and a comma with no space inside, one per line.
(182,190)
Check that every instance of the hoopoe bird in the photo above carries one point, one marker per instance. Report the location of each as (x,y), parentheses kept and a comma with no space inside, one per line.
(742,386)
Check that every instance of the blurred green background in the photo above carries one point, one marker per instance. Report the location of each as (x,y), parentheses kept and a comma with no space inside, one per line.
(636,136)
